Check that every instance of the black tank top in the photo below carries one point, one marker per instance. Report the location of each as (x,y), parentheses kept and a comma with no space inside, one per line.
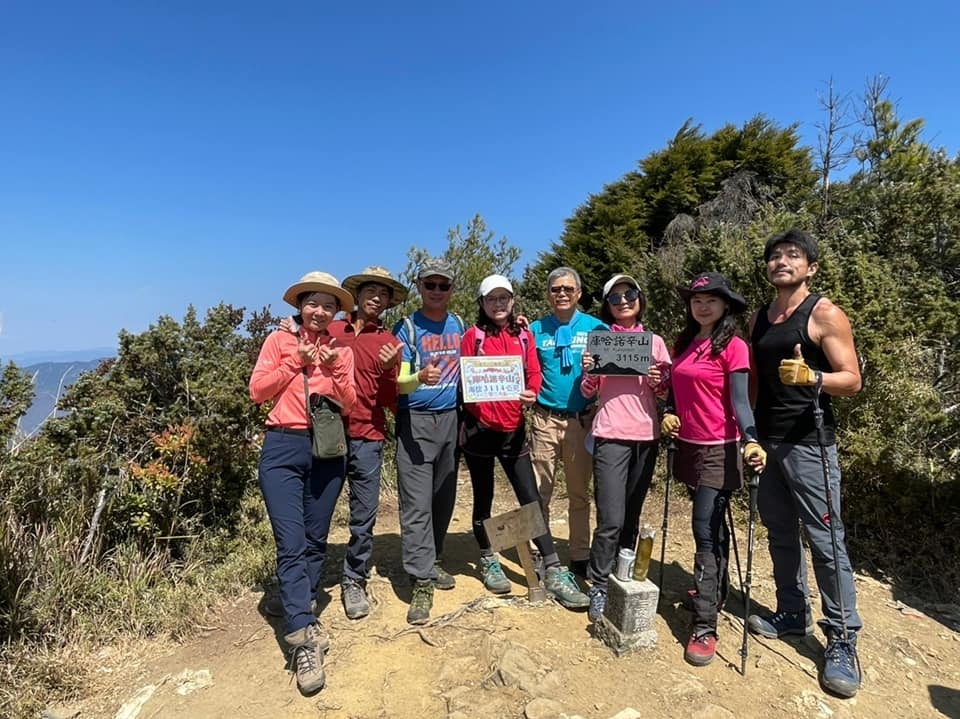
(784,412)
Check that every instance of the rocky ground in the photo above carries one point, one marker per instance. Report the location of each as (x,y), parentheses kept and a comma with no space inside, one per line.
(483,656)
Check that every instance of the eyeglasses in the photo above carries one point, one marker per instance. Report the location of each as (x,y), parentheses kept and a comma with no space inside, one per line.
(442,286)
(565,289)
(498,300)
(615,298)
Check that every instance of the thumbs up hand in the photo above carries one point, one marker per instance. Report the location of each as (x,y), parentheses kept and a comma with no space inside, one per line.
(328,354)
(430,375)
(389,353)
(796,371)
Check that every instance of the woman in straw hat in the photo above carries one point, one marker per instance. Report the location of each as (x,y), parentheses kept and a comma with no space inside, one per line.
(299,490)
(709,391)
(626,437)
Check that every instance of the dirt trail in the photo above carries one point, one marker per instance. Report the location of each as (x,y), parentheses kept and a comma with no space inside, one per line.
(505,658)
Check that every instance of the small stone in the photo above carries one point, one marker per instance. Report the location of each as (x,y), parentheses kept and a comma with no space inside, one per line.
(628,713)
(60,712)
(712,711)
(543,708)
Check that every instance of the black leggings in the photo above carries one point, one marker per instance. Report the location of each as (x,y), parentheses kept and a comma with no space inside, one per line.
(519,471)
(710,530)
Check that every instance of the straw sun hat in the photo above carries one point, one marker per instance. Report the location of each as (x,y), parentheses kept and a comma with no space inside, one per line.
(318,282)
(380,275)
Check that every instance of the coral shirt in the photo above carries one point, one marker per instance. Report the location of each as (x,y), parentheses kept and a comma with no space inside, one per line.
(278,376)
(504,416)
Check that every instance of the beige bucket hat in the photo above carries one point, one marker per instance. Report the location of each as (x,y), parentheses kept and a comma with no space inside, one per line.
(380,275)
(319,282)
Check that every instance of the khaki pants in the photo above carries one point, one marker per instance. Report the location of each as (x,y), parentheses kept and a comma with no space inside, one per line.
(553,438)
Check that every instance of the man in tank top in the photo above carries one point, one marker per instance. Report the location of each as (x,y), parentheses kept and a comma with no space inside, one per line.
(798,340)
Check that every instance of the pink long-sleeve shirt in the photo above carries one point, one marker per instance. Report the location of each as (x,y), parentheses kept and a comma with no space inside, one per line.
(278,376)
(627,406)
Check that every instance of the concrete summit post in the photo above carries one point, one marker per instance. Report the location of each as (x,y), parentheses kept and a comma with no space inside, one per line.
(628,618)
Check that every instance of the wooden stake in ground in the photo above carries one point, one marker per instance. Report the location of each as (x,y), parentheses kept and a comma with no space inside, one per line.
(515,529)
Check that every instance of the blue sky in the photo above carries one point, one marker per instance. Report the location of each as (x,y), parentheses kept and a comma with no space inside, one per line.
(155,155)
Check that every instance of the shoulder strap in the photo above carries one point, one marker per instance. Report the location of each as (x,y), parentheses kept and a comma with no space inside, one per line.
(459,319)
(481,336)
(306,396)
(412,342)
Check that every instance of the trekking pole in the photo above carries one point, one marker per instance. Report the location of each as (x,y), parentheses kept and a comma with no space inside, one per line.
(733,539)
(753,487)
(825,464)
(671,451)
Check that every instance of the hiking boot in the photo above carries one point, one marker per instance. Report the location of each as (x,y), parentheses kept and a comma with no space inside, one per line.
(272,605)
(701,648)
(355,602)
(493,577)
(774,626)
(841,666)
(598,601)
(306,657)
(579,567)
(560,584)
(444,579)
(421,603)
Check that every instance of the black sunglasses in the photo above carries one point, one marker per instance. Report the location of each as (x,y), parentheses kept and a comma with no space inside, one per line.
(615,298)
(566,289)
(442,286)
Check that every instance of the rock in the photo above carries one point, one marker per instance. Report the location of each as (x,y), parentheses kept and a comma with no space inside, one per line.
(517,669)
(188,681)
(453,715)
(542,708)
(628,713)
(131,708)
(712,711)
(60,712)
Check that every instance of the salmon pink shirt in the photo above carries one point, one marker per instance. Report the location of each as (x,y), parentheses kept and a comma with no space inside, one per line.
(278,376)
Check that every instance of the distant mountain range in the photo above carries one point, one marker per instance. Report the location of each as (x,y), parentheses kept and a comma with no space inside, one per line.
(49,381)
(24,359)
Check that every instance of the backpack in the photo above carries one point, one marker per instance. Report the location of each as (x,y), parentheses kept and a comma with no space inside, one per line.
(524,343)
(412,338)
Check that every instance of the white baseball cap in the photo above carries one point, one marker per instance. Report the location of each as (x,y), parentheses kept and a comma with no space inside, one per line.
(492,283)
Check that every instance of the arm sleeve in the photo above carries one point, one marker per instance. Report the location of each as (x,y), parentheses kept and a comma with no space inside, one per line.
(408,381)
(273,371)
(740,399)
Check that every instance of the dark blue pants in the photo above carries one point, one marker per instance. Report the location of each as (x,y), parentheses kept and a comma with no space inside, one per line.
(363,483)
(300,493)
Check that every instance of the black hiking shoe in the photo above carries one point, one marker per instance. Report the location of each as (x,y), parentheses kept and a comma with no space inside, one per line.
(781,624)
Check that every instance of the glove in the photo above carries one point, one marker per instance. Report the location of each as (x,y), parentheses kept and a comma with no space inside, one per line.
(796,371)
(670,425)
(752,449)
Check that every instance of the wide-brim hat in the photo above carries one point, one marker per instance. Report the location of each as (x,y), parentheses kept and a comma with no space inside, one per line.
(319,282)
(380,275)
(713,283)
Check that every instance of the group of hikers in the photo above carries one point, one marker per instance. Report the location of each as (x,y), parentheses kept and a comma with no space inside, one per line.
(724,402)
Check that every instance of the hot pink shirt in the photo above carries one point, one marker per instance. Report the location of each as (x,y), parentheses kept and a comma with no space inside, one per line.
(627,406)
(701,391)
(278,376)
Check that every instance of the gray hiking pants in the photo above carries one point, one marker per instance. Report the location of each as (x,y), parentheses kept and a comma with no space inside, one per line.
(791,491)
(427,485)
